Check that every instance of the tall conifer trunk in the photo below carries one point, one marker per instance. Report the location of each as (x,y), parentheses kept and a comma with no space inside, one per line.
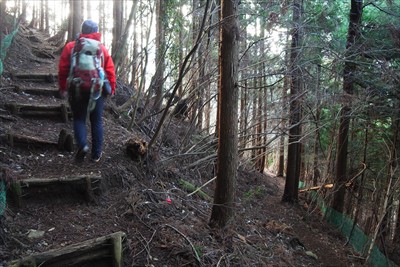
(160,53)
(118,15)
(224,194)
(290,193)
(348,88)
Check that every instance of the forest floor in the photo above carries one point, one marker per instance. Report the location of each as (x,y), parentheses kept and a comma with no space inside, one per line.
(265,231)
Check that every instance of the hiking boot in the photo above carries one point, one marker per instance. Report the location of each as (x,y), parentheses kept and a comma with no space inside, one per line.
(80,155)
(96,158)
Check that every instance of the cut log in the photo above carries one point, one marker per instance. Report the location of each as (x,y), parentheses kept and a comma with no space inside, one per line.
(61,111)
(65,141)
(105,251)
(72,187)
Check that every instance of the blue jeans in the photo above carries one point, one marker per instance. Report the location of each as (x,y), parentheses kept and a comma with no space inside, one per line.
(79,106)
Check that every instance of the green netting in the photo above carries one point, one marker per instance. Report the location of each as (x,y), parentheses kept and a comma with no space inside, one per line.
(5,44)
(357,238)
(2,197)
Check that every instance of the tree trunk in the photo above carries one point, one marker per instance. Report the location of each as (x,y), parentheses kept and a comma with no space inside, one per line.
(89,8)
(281,152)
(119,52)
(118,15)
(290,193)
(264,158)
(316,172)
(395,164)
(180,53)
(243,115)
(31,24)
(76,18)
(180,78)
(160,52)
(348,88)
(42,15)
(202,85)
(393,171)
(135,71)
(22,17)
(46,18)
(262,105)
(195,76)
(2,30)
(207,94)
(259,128)
(224,194)
(253,129)
(102,19)
(281,156)
(396,237)
(243,111)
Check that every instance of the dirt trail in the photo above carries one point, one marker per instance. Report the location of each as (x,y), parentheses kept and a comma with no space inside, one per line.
(133,195)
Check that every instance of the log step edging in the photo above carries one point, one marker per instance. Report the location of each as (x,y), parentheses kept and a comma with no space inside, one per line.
(65,141)
(35,77)
(37,91)
(61,110)
(107,251)
(86,186)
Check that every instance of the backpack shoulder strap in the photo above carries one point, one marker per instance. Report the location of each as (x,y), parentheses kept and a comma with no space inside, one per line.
(72,63)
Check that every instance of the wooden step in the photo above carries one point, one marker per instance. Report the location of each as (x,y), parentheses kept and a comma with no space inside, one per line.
(61,111)
(37,91)
(65,141)
(36,77)
(105,251)
(73,188)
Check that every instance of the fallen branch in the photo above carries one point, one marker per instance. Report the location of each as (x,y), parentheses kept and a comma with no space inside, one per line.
(199,188)
(328,186)
(192,188)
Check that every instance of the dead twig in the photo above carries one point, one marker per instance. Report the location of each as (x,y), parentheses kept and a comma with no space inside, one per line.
(19,242)
(145,246)
(187,239)
(220,260)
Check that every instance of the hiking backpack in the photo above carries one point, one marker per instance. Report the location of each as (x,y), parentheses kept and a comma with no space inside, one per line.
(86,60)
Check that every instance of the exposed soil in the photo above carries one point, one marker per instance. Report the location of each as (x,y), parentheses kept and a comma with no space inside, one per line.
(134,195)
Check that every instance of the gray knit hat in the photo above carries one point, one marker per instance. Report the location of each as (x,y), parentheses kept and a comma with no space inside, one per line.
(89,26)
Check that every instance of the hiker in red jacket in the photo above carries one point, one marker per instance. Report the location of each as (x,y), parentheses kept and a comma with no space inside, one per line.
(86,102)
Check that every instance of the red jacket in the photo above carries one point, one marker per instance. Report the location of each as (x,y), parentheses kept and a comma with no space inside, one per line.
(65,59)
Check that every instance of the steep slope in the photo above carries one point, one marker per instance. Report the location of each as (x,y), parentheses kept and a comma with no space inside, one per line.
(164,226)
